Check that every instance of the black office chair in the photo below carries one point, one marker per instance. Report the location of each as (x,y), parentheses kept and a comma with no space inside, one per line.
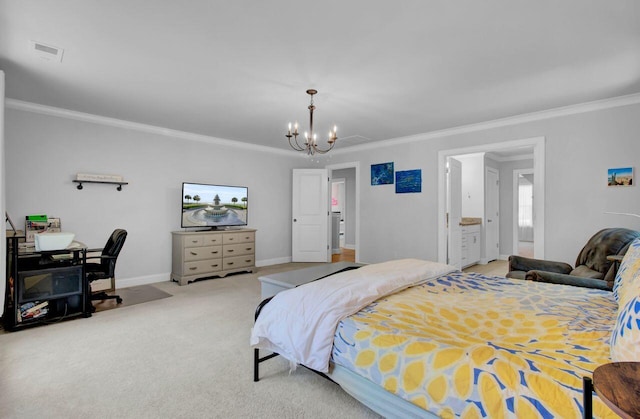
(107,266)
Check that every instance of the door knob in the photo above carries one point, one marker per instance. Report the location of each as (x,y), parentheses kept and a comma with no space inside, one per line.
(295,220)
(489,220)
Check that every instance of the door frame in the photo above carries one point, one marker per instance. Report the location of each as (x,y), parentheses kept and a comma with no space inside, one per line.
(488,169)
(454,229)
(538,144)
(351,165)
(343,213)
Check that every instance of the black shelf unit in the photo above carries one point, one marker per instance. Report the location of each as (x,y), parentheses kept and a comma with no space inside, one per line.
(44,287)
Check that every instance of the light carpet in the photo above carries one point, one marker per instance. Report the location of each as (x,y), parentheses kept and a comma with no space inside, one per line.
(187,356)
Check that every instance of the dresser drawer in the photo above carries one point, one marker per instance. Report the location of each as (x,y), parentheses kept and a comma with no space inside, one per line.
(239,261)
(193,241)
(202,266)
(201,253)
(473,228)
(240,237)
(238,249)
(212,239)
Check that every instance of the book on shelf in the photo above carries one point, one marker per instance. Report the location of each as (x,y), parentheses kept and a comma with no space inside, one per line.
(33,310)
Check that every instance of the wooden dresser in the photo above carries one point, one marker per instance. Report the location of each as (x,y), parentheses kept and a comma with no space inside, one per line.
(204,254)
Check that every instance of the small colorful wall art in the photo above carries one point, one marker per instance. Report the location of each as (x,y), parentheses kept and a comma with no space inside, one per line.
(382,174)
(409,181)
(622,176)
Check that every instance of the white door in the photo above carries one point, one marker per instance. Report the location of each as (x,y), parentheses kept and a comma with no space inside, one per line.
(492,205)
(310,223)
(454,208)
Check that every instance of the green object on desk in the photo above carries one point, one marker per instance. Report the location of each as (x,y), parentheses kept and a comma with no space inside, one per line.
(40,217)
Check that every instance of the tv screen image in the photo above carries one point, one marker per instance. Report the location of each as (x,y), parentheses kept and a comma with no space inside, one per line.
(206,205)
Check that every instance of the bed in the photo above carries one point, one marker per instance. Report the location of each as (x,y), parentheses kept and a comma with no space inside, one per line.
(441,343)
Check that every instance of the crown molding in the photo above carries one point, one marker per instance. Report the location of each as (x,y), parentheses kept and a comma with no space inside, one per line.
(596,105)
(517,157)
(135,126)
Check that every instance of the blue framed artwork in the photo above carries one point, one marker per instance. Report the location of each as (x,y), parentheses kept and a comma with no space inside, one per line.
(409,181)
(382,174)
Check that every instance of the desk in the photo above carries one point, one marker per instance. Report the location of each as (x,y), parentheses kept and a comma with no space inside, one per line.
(44,286)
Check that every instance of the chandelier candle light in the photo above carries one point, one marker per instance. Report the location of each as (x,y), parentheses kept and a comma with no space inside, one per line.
(310,139)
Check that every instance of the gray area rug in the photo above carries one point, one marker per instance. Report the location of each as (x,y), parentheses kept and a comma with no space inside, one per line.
(132,296)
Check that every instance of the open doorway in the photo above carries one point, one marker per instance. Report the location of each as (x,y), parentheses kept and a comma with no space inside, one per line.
(478,193)
(338,213)
(345,217)
(535,146)
(523,211)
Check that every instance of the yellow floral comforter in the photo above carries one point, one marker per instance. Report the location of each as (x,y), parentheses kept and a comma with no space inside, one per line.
(466,345)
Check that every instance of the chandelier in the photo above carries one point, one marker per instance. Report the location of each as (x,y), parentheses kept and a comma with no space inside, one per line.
(310,145)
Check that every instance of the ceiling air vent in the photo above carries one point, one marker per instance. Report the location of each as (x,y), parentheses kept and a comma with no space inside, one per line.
(46,52)
(354,140)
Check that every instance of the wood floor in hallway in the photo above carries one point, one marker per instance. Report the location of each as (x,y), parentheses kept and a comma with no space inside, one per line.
(495,268)
(345,255)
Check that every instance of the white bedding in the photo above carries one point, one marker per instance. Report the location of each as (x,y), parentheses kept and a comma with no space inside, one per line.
(300,323)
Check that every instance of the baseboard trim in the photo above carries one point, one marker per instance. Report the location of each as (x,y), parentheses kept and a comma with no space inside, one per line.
(152,279)
(276,261)
(142,280)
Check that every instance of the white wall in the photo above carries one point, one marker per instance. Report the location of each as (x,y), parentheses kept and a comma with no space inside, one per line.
(578,151)
(45,152)
(393,225)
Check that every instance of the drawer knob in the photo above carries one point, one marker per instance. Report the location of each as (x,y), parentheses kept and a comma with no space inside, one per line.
(194,253)
(230,263)
(193,269)
(214,252)
(230,238)
(248,248)
(230,250)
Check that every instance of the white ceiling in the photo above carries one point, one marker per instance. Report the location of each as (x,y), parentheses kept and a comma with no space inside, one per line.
(384,69)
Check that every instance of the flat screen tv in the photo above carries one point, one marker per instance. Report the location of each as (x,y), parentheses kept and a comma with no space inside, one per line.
(214,206)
